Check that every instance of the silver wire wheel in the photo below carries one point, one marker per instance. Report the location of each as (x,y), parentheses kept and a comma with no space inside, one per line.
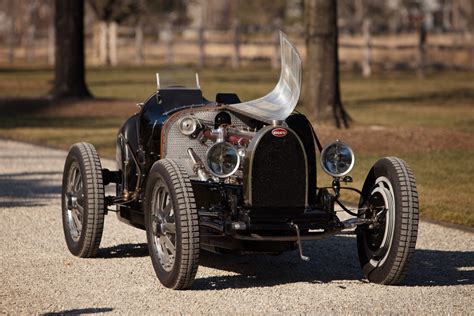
(83,200)
(74,201)
(172,226)
(390,199)
(164,226)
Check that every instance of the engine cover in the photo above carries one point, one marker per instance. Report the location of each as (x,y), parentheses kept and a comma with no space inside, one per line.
(276,171)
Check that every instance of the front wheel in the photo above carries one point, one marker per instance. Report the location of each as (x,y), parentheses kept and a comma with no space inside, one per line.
(390,199)
(83,200)
(171,222)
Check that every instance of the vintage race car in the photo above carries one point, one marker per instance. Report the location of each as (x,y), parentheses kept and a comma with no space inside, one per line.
(232,176)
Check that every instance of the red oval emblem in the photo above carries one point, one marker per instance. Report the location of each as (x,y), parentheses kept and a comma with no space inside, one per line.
(279,132)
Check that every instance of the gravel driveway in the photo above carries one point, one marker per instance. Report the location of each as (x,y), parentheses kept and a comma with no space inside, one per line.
(39,275)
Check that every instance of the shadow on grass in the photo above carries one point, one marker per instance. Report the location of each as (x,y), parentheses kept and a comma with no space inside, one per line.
(27,121)
(425,98)
(36,105)
(22,105)
(28,70)
(332,259)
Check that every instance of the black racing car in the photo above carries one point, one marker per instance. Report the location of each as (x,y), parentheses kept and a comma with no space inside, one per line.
(236,176)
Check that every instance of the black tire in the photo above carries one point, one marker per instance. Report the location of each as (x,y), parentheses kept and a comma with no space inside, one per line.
(83,200)
(169,200)
(386,249)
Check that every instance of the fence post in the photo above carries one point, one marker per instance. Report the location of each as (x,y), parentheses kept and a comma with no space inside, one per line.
(11,32)
(51,43)
(168,39)
(113,43)
(139,56)
(102,42)
(202,46)
(275,59)
(31,31)
(367,53)
(470,39)
(236,44)
(422,49)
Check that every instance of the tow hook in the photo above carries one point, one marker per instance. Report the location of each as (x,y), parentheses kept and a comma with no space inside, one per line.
(300,246)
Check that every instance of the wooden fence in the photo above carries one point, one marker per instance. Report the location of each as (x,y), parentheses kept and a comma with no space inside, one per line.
(119,45)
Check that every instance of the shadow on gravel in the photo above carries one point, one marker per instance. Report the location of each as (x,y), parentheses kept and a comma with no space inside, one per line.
(436,268)
(28,189)
(81,311)
(123,251)
(332,259)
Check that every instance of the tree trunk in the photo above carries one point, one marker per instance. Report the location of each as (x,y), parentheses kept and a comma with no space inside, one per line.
(322,63)
(69,70)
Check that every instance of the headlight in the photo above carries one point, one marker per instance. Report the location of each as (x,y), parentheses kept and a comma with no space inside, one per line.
(337,159)
(222,160)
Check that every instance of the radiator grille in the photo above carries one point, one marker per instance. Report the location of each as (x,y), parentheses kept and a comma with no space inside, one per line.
(277,172)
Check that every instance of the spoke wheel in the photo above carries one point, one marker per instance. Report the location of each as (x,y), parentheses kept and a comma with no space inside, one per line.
(391,201)
(83,200)
(164,226)
(171,223)
(75,202)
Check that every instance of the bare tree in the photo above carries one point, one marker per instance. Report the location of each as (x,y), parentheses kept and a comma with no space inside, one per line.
(322,63)
(69,70)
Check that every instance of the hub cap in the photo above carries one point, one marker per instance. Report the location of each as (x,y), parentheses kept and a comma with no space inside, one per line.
(74,199)
(164,226)
(378,239)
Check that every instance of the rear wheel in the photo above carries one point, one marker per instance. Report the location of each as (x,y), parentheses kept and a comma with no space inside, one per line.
(83,200)
(172,226)
(391,200)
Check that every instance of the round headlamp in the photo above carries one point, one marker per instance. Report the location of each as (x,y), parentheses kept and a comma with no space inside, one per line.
(222,160)
(337,159)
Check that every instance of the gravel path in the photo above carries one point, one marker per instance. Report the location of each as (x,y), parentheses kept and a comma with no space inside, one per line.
(39,275)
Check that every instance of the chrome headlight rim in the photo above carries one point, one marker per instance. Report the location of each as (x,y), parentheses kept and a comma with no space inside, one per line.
(237,164)
(322,156)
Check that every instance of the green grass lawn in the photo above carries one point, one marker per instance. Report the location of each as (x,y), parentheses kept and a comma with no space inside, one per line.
(435,115)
